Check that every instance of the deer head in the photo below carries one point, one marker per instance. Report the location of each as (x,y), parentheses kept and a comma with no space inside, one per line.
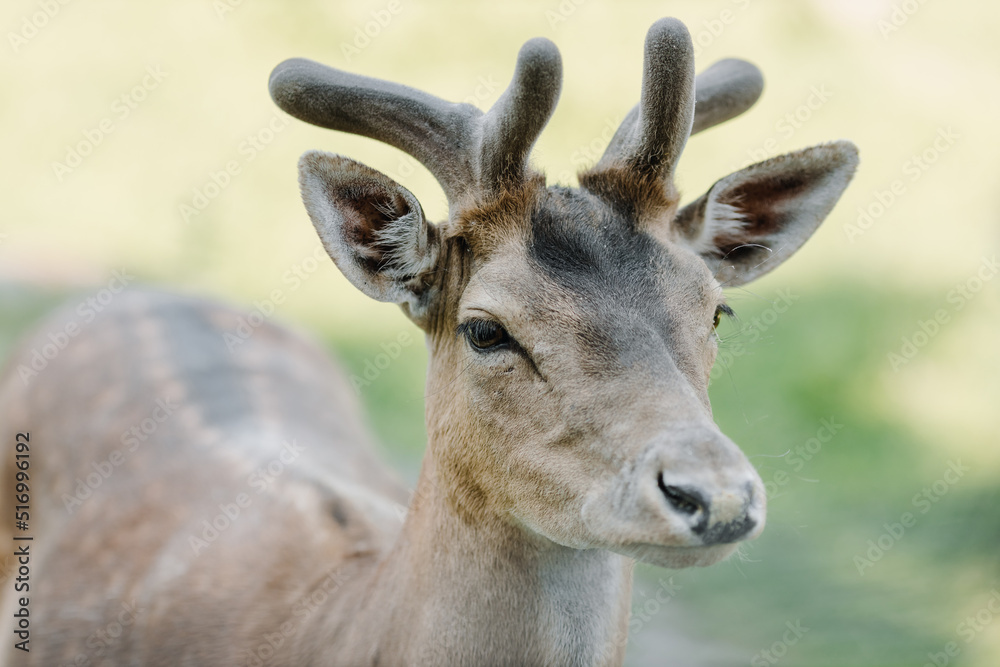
(571,331)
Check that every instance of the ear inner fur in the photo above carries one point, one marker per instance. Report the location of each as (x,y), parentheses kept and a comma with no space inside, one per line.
(752,220)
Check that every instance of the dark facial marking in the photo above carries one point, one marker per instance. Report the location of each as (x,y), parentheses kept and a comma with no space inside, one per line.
(586,248)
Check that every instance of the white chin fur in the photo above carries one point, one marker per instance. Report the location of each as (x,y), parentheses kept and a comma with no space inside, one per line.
(678,557)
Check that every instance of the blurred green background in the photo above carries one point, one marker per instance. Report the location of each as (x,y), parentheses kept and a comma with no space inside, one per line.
(157,98)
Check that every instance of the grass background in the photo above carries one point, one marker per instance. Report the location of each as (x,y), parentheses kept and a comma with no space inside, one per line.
(894,74)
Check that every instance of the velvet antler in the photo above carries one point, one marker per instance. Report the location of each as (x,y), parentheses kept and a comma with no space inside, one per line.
(470,153)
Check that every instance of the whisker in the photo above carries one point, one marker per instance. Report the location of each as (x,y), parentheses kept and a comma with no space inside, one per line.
(770,456)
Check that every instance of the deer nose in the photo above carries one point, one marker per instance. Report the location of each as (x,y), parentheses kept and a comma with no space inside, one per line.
(733,515)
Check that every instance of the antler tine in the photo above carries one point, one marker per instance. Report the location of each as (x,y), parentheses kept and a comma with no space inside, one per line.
(652,136)
(514,122)
(437,133)
(466,151)
(725,90)
(654,132)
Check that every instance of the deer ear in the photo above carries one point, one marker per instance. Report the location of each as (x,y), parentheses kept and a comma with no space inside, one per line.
(373,228)
(754,219)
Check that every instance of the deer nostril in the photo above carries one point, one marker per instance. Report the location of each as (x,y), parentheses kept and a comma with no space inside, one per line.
(681,501)
(686,501)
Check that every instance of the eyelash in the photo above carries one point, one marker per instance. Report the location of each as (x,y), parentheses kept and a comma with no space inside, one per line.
(722,309)
(477,331)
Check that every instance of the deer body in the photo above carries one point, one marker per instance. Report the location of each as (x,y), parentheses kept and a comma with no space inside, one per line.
(317,550)
(570,332)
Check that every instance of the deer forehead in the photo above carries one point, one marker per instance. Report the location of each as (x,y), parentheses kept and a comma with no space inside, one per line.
(579,277)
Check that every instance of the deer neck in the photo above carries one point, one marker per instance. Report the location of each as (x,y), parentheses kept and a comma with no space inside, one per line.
(457,589)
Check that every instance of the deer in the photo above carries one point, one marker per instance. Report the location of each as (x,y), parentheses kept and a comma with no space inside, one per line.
(245,519)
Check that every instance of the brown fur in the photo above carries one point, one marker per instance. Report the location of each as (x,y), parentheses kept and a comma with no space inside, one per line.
(635,194)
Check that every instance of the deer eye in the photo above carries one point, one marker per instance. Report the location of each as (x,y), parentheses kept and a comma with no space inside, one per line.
(721,310)
(485,335)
